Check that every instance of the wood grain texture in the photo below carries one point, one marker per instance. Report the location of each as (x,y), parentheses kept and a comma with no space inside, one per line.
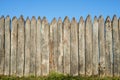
(108,48)
(33,46)
(2,42)
(88,46)
(95,56)
(116,46)
(7,46)
(55,45)
(51,46)
(60,46)
(14,40)
(119,43)
(101,33)
(27,47)
(20,49)
(66,43)
(74,48)
(45,47)
(38,55)
(81,47)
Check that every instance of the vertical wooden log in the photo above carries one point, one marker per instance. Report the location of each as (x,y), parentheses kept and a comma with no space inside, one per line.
(95,47)
(60,46)
(108,47)
(7,46)
(74,48)
(33,46)
(101,33)
(27,47)
(38,55)
(88,46)
(45,47)
(119,43)
(55,45)
(52,56)
(116,47)
(14,43)
(2,42)
(81,55)
(20,49)
(66,43)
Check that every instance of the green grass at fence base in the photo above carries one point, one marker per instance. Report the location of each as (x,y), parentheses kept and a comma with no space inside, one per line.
(56,76)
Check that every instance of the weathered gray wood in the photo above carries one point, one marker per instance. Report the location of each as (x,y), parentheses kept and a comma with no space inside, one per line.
(108,47)
(74,48)
(33,46)
(20,49)
(51,47)
(81,55)
(60,46)
(2,49)
(7,46)
(27,47)
(88,46)
(116,46)
(95,56)
(14,43)
(38,55)
(119,43)
(55,45)
(66,42)
(45,47)
(101,33)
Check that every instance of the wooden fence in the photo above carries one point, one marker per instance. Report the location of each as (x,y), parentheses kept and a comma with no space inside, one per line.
(35,47)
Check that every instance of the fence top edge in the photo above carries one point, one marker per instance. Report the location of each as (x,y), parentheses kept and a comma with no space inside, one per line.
(54,21)
(95,19)
(108,19)
(66,20)
(33,18)
(2,17)
(114,18)
(14,18)
(88,19)
(59,20)
(73,20)
(44,20)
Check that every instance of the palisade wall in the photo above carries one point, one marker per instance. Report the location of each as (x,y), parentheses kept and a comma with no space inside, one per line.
(36,47)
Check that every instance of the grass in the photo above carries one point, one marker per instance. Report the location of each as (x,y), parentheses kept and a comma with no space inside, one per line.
(56,76)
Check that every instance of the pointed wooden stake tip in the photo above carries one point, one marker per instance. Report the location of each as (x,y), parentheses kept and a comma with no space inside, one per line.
(33,18)
(95,19)
(27,20)
(81,19)
(59,20)
(66,19)
(1,17)
(101,17)
(7,16)
(88,18)
(114,18)
(108,19)
(21,18)
(54,20)
(39,18)
(14,18)
(44,20)
(44,17)
(74,20)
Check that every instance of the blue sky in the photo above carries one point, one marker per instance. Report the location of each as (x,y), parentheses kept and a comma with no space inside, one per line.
(60,8)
